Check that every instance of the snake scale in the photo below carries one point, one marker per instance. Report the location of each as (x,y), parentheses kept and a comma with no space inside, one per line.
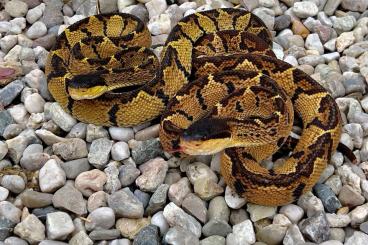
(218,87)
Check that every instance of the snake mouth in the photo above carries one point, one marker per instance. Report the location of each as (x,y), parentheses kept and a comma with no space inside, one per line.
(87,93)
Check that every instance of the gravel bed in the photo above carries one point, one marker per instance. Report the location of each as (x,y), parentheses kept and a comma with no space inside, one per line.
(63,181)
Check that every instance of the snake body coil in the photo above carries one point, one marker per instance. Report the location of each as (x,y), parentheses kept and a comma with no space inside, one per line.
(219,87)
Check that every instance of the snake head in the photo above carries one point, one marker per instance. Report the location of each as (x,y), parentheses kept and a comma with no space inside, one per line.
(206,136)
(87,86)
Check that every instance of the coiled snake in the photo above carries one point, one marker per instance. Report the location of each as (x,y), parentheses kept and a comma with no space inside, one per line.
(219,86)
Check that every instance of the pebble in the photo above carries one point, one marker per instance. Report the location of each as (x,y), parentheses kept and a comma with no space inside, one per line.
(147,235)
(10,92)
(61,118)
(344,40)
(81,238)
(59,225)
(293,236)
(338,220)
(350,197)
(30,229)
(100,218)
(233,200)
(10,212)
(95,132)
(158,199)
(175,216)
(129,228)
(316,228)
(195,206)
(213,240)
(153,174)
(293,212)
(35,13)
(51,176)
(121,134)
(37,29)
(328,198)
(125,204)
(99,152)
(178,235)
(344,23)
(16,146)
(120,151)
(69,198)
(97,200)
(16,8)
(128,174)
(258,212)
(102,234)
(305,9)
(75,167)
(313,42)
(6,227)
(71,149)
(13,183)
(5,120)
(146,150)
(272,234)
(34,199)
(159,220)
(351,5)
(4,193)
(358,238)
(179,190)
(16,241)
(243,233)
(90,182)
(358,215)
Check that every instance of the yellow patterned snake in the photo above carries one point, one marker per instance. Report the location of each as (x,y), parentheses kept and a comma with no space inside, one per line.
(218,86)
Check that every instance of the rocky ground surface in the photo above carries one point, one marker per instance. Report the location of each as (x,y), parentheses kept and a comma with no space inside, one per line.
(93,185)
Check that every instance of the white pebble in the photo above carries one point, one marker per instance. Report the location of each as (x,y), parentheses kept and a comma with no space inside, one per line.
(51,176)
(34,14)
(59,225)
(121,134)
(4,193)
(3,149)
(120,151)
(38,29)
(34,103)
(233,200)
(159,220)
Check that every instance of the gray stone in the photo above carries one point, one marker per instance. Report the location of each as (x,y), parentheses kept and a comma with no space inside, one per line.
(358,238)
(158,199)
(316,228)
(73,168)
(120,151)
(112,182)
(5,120)
(79,130)
(293,236)
(282,22)
(34,199)
(99,152)
(69,198)
(38,29)
(100,218)
(71,149)
(195,206)
(213,240)
(13,183)
(158,220)
(328,198)
(125,204)
(6,227)
(16,146)
(10,92)
(338,220)
(128,174)
(61,118)
(146,150)
(148,235)
(350,197)
(102,234)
